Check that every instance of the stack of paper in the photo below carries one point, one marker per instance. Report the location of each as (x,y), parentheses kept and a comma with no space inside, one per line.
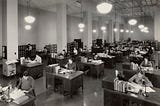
(16,94)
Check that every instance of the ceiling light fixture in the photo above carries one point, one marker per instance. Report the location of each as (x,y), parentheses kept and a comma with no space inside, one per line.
(131,31)
(122,30)
(115,29)
(103,28)
(140,26)
(28,27)
(29,18)
(145,28)
(81,30)
(81,24)
(132,21)
(104,7)
(127,31)
(94,30)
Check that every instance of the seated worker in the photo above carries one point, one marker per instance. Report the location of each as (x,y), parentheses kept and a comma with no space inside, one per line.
(34,59)
(146,63)
(38,59)
(141,79)
(75,51)
(26,83)
(71,65)
(96,57)
(28,51)
(64,53)
(45,52)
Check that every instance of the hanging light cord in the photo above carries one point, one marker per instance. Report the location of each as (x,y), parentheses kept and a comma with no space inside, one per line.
(132,8)
(115,17)
(28,7)
(81,12)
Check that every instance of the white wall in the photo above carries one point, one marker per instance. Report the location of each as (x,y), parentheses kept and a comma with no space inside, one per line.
(47,29)
(27,36)
(72,28)
(43,30)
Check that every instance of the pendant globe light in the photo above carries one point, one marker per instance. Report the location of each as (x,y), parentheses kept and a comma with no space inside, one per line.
(28,27)
(122,30)
(81,30)
(132,21)
(127,31)
(104,7)
(103,28)
(94,31)
(29,18)
(81,25)
(140,26)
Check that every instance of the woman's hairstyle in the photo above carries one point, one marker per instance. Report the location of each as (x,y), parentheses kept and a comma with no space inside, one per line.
(25,73)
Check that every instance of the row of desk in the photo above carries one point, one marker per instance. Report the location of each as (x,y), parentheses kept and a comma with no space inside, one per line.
(116,98)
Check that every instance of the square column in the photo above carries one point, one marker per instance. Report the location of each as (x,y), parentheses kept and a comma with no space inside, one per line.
(61,27)
(10,28)
(110,31)
(87,38)
(157,26)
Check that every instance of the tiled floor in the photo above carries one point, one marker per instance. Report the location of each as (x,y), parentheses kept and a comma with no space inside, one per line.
(91,96)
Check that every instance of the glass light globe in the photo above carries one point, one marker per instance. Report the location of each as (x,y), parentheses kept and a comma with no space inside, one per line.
(81,25)
(146,31)
(131,31)
(81,30)
(104,7)
(103,28)
(127,31)
(115,29)
(28,27)
(29,19)
(145,28)
(104,31)
(142,30)
(132,22)
(122,30)
(94,30)
(140,26)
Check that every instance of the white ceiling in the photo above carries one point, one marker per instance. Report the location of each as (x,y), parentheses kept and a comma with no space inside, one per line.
(141,7)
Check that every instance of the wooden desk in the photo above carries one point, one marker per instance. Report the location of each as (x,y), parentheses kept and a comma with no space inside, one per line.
(35,70)
(94,69)
(70,84)
(28,102)
(154,76)
(109,62)
(136,59)
(116,98)
(118,56)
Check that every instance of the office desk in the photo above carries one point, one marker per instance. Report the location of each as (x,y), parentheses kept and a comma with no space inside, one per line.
(136,59)
(118,56)
(70,84)
(60,61)
(109,62)
(154,76)
(116,98)
(94,69)
(28,102)
(35,70)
